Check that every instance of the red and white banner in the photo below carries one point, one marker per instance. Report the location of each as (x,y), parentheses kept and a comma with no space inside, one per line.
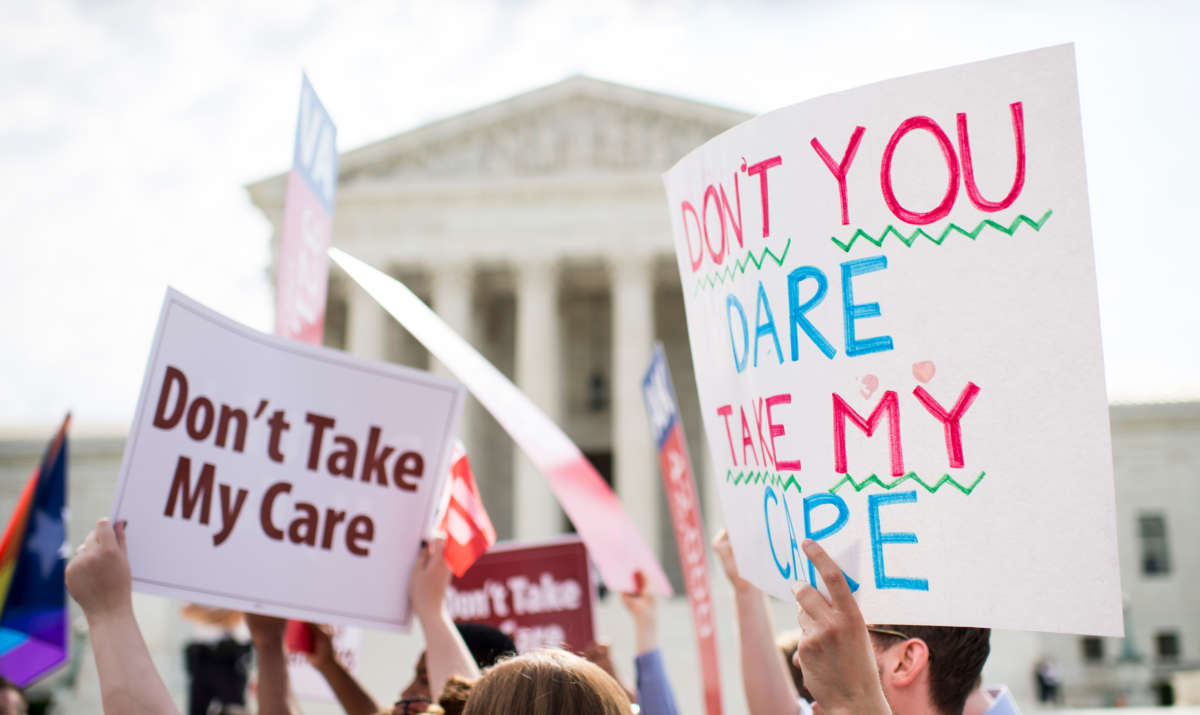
(468,528)
(539,594)
(307,223)
(610,534)
(663,411)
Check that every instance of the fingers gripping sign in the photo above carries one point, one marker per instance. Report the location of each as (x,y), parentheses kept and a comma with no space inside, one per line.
(834,650)
(98,576)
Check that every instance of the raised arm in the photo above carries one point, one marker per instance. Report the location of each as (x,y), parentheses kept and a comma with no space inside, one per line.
(98,578)
(769,688)
(275,696)
(446,654)
(834,649)
(354,699)
(655,696)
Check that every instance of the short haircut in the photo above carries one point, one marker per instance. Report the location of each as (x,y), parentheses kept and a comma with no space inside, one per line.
(956,658)
(487,644)
(547,681)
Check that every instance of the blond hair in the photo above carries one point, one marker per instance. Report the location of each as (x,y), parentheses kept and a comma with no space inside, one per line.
(547,682)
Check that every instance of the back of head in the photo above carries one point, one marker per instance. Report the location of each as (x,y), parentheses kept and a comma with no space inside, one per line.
(956,658)
(547,681)
(487,644)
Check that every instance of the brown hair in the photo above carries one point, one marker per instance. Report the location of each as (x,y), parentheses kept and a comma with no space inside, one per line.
(547,681)
(956,658)
(454,695)
(787,642)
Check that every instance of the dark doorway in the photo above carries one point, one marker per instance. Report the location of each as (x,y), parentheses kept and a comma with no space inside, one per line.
(603,462)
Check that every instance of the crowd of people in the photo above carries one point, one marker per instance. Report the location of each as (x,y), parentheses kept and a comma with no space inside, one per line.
(834,663)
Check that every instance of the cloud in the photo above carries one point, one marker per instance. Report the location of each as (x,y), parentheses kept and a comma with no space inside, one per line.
(130,129)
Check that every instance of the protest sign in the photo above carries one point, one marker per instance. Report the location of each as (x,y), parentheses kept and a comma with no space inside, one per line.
(891,303)
(679,484)
(539,594)
(307,223)
(610,534)
(266,475)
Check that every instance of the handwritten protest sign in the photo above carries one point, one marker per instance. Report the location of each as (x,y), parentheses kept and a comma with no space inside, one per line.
(891,303)
(539,594)
(266,475)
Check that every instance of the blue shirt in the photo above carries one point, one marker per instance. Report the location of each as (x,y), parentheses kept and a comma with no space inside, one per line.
(1004,703)
(655,696)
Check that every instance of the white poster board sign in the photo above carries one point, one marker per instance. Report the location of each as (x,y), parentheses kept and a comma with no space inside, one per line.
(267,475)
(891,303)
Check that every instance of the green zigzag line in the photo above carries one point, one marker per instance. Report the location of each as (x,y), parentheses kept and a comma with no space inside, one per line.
(716,278)
(772,478)
(946,479)
(910,239)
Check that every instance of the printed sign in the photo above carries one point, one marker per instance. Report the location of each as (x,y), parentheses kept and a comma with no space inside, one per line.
(265,475)
(307,223)
(680,485)
(891,303)
(610,534)
(539,594)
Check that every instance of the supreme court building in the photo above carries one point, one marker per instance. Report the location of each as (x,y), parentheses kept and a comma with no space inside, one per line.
(538,228)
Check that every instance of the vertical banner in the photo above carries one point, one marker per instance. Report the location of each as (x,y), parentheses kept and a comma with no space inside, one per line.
(307,223)
(662,408)
(303,276)
(891,302)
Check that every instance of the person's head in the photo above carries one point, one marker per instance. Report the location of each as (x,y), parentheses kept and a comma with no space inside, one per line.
(12,701)
(786,642)
(929,666)
(547,682)
(487,645)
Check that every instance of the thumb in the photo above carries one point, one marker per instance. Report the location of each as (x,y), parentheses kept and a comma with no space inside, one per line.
(119,531)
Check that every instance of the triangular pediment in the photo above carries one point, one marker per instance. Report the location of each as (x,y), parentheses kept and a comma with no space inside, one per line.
(578,125)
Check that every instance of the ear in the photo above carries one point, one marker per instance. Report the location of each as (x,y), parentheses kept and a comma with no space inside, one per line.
(909,661)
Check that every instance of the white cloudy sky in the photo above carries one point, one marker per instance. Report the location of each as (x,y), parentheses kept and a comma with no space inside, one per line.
(128,131)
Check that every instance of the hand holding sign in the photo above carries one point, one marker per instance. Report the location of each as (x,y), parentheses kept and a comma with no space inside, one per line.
(98,577)
(834,651)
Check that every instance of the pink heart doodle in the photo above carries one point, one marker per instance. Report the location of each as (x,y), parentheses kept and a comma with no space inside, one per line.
(870,384)
(924,370)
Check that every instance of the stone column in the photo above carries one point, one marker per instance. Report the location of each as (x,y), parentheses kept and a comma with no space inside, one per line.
(539,375)
(452,291)
(636,476)
(365,324)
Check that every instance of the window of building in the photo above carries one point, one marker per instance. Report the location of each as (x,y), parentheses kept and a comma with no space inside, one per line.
(1166,645)
(1152,531)
(1093,649)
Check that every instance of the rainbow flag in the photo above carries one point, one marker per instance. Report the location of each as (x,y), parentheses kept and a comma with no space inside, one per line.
(33,563)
